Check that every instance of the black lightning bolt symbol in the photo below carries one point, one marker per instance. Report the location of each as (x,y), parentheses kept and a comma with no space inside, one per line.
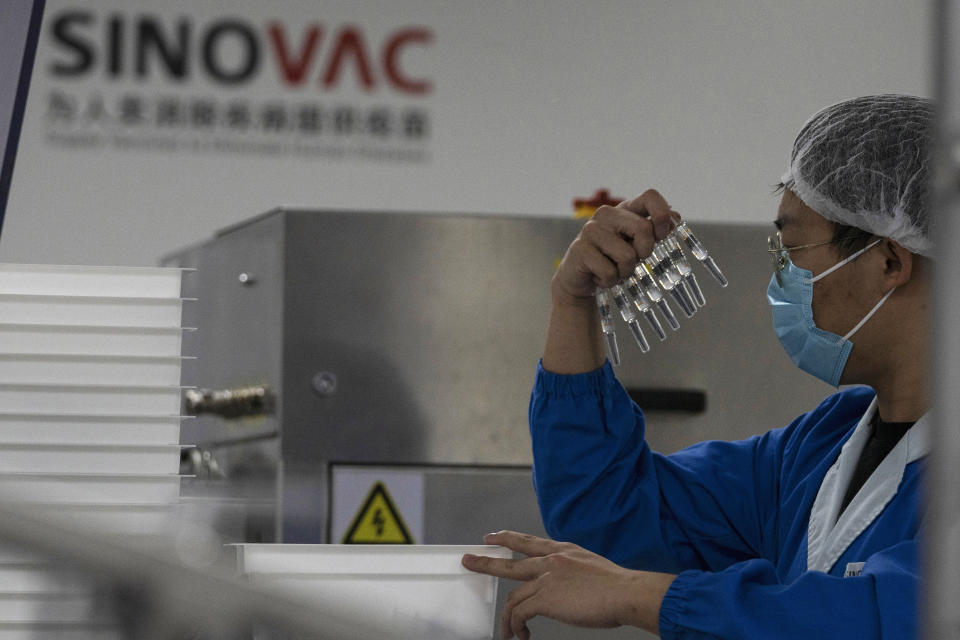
(379,522)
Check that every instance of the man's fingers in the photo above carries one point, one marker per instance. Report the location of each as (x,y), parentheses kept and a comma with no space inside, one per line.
(605,272)
(521,613)
(633,225)
(613,245)
(518,595)
(650,203)
(523,570)
(525,543)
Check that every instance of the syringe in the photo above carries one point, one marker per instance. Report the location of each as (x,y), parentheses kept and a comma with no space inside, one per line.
(640,302)
(606,323)
(678,258)
(645,278)
(699,252)
(668,279)
(626,311)
(685,299)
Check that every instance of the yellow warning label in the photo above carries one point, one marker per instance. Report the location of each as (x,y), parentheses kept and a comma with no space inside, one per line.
(378,521)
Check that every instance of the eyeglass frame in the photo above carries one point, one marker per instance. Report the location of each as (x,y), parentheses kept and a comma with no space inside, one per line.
(780,253)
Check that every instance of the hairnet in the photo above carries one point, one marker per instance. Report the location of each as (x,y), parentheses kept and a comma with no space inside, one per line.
(865,163)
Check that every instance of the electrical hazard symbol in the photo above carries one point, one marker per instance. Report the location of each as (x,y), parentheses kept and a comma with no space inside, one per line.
(378,521)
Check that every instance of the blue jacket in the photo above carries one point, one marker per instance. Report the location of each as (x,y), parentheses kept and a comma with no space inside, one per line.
(740,522)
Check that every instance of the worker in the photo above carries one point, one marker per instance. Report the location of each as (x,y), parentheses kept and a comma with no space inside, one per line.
(809,530)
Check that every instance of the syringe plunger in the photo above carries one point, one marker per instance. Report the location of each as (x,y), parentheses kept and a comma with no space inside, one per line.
(638,336)
(606,324)
(626,310)
(613,350)
(683,299)
(641,305)
(654,323)
(668,314)
(691,281)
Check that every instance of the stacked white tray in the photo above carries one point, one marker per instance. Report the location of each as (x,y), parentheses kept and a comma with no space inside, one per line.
(90,394)
(397,591)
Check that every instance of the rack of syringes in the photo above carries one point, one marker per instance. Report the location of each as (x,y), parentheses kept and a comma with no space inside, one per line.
(666,269)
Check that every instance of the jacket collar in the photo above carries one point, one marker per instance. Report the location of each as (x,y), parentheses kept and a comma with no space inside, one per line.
(829,532)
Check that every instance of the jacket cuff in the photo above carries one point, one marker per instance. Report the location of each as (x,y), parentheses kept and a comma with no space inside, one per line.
(674,605)
(576,384)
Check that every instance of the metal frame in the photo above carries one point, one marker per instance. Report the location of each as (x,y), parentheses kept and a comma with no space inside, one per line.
(942,543)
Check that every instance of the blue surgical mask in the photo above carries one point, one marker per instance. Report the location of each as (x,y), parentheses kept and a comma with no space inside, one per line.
(820,353)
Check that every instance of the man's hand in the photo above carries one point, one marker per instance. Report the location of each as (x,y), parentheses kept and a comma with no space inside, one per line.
(570,584)
(607,249)
(611,243)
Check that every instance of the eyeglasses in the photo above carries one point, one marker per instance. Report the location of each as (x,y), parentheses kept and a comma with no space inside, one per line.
(780,253)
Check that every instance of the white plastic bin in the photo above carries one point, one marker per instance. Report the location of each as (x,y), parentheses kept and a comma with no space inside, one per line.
(89,429)
(24,398)
(103,458)
(118,489)
(89,369)
(91,310)
(59,631)
(89,340)
(118,519)
(12,554)
(48,607)
(418,591)
(58,280)
(27,577)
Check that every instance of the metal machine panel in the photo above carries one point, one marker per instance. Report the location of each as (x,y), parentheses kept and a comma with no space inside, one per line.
(432,326)
(239,314)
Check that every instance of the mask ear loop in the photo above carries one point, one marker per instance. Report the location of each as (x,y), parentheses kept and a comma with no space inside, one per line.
(867,317)
(846,260)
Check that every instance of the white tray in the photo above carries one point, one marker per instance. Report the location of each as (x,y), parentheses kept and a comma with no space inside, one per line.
(421,591)
(106,459)
(58,631)
(49,607)
(26,398)
(28,577)
(11,554)
(89,369)
(89,429)
(120,519)
(143,489)
(83,340)
(91,310)
(59,280)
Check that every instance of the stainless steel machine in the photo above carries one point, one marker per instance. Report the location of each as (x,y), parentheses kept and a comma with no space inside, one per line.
(342,349)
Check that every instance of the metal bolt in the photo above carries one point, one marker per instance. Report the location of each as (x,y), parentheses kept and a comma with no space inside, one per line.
(246,279)
(324,383)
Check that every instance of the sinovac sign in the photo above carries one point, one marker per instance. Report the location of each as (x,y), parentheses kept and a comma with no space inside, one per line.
(127,79)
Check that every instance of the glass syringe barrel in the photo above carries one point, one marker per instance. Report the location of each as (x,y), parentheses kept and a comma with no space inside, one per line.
(683,266)
(668,280)
(640,302)
(699,252)
(606,324)
(626,311)
(645,277)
